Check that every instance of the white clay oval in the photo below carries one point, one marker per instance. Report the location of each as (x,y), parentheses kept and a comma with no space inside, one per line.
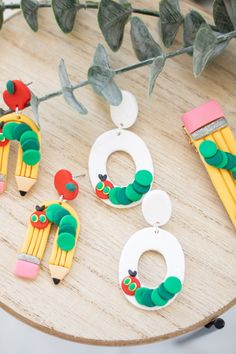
(147,240)
(110,142)
(156,207)
(125,115)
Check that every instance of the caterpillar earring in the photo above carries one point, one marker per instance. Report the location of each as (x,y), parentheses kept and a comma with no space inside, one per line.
(120,139)
(17,126)
(156,208)
(52,212)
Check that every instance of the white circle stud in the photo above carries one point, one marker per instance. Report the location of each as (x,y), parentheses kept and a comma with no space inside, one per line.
(125,115)
(156,207)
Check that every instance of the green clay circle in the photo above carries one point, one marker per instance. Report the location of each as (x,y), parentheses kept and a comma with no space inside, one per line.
(231,161)
(68,229)
(30,144)
(143,177)
(59,215)
(34,218)
(51,211)
(224,160)
(100,186)
(215,160)
(29,134)
(42,218)
(2,137)
(20,129)
(8,130)
(112,195)
(106,190)
(208,148)
(68,219)
(163,293)
(132,194)
(132,286)
(127,281)
(31,157)
(140,189)
(121,196)
(157,299)
(143,296)
(173,285)
(66,241)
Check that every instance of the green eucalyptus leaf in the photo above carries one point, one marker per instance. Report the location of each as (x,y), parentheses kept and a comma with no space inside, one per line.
(170,20)
(101,57)
(29,9)
(65,13)
(112,18)
(155,70)
(1,13)
(34,102)
(233,4)
(144,45)
(192,22)
(101,79)
(206,47)
(68,91)
(221,17)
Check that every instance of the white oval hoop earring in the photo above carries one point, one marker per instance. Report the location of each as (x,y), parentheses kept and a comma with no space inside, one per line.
(156,208)
(124,116)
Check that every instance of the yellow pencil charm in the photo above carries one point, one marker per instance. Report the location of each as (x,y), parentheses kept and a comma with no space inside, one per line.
(16,126)
(213,139)
(68,226)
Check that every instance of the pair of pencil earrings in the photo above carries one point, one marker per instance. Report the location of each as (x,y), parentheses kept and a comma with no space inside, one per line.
(156,205)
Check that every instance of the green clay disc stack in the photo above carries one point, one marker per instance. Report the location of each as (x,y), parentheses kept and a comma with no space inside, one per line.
(134,191)
(67,226)
(218,158)
(159,296)
(28,139)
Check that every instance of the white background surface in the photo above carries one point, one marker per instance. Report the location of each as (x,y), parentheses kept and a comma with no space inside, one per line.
(18,338)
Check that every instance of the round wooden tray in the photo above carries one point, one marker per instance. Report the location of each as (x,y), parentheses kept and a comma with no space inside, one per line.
(89,306)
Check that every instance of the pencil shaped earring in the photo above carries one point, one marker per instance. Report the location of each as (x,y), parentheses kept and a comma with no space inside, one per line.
(51,212)
(17,126)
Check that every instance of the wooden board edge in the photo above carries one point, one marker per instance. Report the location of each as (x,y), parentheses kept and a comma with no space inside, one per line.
(118,343)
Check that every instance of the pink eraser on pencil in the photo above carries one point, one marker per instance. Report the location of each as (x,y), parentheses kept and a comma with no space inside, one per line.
(1,187)
(201,116)
(26,269)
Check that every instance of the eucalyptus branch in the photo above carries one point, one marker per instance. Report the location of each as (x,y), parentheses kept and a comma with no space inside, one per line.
(185,50)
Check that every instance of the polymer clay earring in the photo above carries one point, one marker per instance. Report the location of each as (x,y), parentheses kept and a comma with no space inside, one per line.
(61,214)
(17,126)
(156,208)
(213,139)
(120,139)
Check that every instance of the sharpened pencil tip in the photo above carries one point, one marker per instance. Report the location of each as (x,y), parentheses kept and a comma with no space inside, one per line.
(56,281)
(22,193)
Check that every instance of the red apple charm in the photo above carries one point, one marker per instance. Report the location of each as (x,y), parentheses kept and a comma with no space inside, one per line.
(65,185)
(17,95)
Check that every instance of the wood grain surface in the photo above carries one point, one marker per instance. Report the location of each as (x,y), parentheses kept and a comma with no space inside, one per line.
(89,306)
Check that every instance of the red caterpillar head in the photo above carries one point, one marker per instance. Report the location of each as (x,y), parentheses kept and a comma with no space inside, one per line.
(38,219)
(130,283)
(103,187)
(3,140)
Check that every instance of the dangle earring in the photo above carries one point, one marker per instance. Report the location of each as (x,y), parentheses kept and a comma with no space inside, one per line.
(17,126)
(120,139)
(156,208)
(51,212)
